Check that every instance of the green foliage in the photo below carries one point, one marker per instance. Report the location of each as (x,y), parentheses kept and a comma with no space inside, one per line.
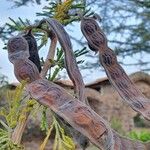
(139,121)
(3,86)
(5,141)
(59,62)
(61,141)
(117,125)
(21,26)
(12,113)
(143,135)
(44,122)
(18,25)
(65,12)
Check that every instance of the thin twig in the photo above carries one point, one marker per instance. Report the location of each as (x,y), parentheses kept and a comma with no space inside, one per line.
(50,55)
(19,130)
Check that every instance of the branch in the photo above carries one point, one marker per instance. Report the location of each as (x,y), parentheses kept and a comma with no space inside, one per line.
(50,55)
(19,129)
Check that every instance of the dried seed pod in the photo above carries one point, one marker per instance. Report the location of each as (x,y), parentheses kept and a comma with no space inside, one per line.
(70,61)
(24,69)
(33,50)
(77,114)
(116,74)
(17,48)
(94,35)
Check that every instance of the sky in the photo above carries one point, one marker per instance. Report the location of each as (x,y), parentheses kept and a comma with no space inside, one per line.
(29,12)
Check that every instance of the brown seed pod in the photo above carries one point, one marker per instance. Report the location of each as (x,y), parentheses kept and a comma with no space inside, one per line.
(24,69)
(17,48)
(70,61)
(116,74)
(77,114)
(94,35)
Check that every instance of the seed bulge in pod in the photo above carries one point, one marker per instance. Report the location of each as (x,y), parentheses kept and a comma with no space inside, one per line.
(17,48)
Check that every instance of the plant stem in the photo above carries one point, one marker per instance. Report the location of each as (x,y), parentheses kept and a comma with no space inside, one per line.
(19,129)
(50,56)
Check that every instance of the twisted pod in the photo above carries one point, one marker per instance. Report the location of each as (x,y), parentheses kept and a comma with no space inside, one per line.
(70,61)
(97,41)
(116,75)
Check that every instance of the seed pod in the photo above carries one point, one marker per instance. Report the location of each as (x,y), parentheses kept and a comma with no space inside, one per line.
(94,35)
(33,50)
(25,70)
(17,48)
(116,74)
(70,61)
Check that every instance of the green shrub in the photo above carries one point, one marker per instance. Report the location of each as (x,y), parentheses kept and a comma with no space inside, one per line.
(117,125)
(138,121)
(143,136)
